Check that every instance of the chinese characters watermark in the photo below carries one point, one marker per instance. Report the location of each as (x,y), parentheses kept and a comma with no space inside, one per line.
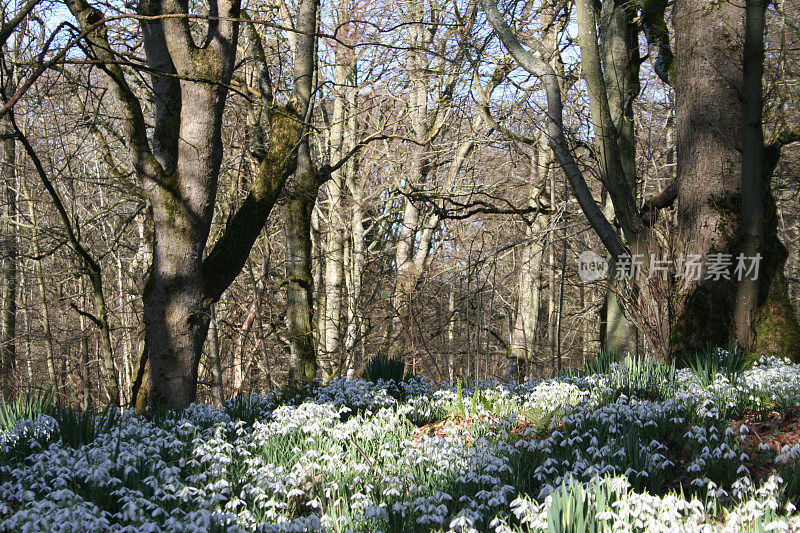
(692,267)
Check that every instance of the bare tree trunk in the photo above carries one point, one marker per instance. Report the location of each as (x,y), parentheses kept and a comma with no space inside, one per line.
(551,278)
(26,304)
(451,335)
(356,271)
(356,256)
(526,320)
(334,254)
(407,275)
(42,289)
(708,118)
(141,375)
(124,360)
(215,364)
(299,290)
(261,333)
(318,265)
(301,194)
(584,346)
(85,370)
(617,331)
(179,177)
(112,386)
(8,267)
(753,179)
(619,48)
(562,280)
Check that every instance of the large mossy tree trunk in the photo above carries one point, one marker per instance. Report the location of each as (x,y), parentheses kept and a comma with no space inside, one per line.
(708,121)
(708,83)
(775,326)
(178,165)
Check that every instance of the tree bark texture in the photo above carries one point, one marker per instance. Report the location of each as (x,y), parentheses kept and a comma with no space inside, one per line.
(178,167)
(709,118)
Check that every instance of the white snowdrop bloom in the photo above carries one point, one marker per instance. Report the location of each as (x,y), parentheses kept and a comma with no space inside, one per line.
(318,444)
(777,525)
(461,523)
(314,504)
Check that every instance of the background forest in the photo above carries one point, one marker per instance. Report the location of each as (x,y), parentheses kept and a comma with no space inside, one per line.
(205,200)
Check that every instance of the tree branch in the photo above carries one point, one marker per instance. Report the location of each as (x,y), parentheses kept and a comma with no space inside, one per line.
(664,199)
(555,129)
(166,89)
(96,321)
(606,133)
(230,252)
(8,27)
(92,22)
(325,171)
(88,261)
(447,207)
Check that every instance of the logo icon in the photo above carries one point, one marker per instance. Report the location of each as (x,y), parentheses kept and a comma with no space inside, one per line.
(591,266)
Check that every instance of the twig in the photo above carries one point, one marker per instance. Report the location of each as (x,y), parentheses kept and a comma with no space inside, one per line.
(364,455)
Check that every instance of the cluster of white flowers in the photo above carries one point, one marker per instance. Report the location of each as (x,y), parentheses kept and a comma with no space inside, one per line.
(358,394)
(350,458)
(633,511)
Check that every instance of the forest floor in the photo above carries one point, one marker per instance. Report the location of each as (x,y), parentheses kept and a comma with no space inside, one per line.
(637,447)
